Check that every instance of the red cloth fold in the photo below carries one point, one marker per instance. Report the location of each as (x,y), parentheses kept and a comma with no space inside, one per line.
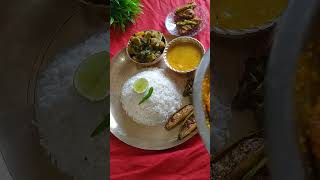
(189,161)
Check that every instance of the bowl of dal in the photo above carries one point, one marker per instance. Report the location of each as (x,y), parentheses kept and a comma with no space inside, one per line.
(183,54)
(238,18)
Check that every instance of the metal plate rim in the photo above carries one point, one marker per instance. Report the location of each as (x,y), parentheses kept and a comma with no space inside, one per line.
(197,100)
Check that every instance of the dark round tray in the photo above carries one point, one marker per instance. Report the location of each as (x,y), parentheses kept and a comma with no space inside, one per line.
(286,161)
(22,60)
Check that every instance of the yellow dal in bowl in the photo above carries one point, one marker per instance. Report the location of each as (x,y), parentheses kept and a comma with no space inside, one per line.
(307,95)
(206,96)
(245,14)
(184,56)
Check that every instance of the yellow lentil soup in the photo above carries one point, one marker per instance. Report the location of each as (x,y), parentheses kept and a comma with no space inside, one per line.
(236,14)
(307,93)
(206,96)
(184,56)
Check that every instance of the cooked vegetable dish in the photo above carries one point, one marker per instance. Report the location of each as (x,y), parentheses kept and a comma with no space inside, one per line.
(146,46)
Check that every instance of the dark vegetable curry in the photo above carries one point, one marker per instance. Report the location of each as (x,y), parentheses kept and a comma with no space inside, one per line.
(146,46)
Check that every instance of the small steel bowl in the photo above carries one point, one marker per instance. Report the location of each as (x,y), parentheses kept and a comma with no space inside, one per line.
(178,40)
(237,33)
(155,61)
(197,95)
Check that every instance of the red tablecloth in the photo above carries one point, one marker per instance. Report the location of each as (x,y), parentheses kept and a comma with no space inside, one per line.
(187,161)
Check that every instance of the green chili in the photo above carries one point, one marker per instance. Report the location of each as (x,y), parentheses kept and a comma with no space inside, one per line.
(103,126)
(146,96)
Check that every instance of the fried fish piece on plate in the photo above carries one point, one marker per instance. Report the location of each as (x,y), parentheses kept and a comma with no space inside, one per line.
(179,116)
(188,127)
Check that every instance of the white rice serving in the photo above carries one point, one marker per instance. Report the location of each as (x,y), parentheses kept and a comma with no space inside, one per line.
(164,101)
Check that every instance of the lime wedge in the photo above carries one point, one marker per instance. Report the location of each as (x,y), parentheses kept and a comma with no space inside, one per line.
(91,79)
(140,85)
